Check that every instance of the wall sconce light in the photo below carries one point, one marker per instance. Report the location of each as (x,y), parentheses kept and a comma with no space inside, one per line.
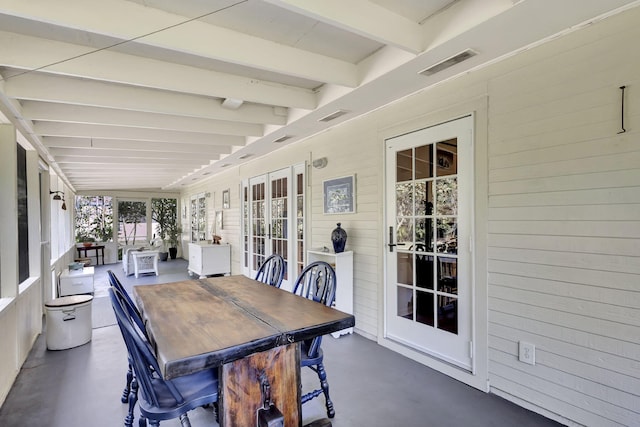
(57,196)
(320,163)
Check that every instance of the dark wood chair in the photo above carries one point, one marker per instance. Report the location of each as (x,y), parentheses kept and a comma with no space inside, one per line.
(128,394)
(161,399)
(316,282)
(271,271)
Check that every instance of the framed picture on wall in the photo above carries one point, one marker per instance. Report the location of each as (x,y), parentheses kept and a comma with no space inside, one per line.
(340,195)
(226,203)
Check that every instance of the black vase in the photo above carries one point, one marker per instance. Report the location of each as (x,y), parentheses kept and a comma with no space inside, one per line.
(339,239)
(173,253)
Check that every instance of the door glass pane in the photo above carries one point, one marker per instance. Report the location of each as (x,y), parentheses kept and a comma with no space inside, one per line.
(279,203)
(424,271)
(404,199)
(404,165)
(424,161)
(447,196)
(300,223)
(448,275)
(447,230)
(424,308)
(423,235)
(448,314)
(405,268)
(424,198)
(447,158)
(245,224)
(405,303)
(404,231)
(258,226)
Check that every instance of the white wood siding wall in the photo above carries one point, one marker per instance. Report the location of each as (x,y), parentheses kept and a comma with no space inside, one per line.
(564,225)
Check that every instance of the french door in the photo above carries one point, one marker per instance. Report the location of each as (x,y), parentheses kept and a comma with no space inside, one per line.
(428,287)
(273,216)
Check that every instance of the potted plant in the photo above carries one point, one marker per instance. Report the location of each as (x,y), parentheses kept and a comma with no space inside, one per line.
(84,238)
(174,236)
(163,212)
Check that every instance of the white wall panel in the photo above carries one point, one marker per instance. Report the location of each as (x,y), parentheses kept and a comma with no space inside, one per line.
(564,226)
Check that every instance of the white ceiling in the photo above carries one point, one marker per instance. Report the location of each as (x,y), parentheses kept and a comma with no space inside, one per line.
(128,95)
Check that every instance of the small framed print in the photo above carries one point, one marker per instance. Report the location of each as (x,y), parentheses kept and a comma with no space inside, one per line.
(340,195)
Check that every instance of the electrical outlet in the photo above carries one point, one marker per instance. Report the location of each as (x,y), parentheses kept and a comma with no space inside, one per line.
(527,352)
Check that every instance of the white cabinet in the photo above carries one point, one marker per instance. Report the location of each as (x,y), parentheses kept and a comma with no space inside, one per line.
(342,263)
(205,259)
(76,281)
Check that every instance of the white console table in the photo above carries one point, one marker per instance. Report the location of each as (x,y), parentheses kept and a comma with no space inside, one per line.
(342,263)
(207,259)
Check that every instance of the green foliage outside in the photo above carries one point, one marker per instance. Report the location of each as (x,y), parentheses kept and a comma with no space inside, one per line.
(94,218)
(130,214)
(164,213)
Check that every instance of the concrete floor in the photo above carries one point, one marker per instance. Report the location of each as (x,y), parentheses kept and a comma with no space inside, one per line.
(370,385)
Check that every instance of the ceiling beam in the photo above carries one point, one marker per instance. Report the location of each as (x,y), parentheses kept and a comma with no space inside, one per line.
(131,133)
(361,17)
(30,53)
(60,89)
(132,154)
(125,20)
(47,111)
(138,145)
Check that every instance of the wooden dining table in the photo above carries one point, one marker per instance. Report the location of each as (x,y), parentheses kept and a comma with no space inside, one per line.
(248,330)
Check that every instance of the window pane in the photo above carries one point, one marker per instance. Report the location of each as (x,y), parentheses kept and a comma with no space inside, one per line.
(424,308)
(424,161)
(405,303)
(404,166)
(447,157)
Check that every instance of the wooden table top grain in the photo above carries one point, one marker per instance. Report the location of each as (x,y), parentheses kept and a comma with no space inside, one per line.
(204,323)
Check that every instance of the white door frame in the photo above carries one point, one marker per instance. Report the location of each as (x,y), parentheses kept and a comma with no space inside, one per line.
(478,108)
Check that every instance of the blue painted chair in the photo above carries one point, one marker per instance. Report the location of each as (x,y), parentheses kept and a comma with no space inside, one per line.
(316,282)
(271,271)
(128,394)
(161,399)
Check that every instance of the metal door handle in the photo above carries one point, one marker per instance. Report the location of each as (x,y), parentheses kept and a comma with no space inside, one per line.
(391,244)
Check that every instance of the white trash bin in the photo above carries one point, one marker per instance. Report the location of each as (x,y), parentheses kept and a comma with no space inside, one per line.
(68,321)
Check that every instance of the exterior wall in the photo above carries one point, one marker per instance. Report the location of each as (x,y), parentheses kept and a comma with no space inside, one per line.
(564,223)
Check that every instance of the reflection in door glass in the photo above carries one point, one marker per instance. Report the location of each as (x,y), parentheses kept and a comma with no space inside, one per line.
(404,165)
(424,162)
(448,314)
(404,199)
(447,230)
(447,157)
(405,268)
(424,308)
(405,303)
(424,271)
(448,275)
(447,196)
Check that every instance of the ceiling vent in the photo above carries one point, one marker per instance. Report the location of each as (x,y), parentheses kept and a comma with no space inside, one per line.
(282,139)
(333,116)
(449,62)
(245,156)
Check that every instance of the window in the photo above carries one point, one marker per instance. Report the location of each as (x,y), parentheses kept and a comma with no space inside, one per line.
(23,217)
(198,218)
(94,218)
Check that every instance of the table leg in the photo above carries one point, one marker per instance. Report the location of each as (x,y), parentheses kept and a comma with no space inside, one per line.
(241,394)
